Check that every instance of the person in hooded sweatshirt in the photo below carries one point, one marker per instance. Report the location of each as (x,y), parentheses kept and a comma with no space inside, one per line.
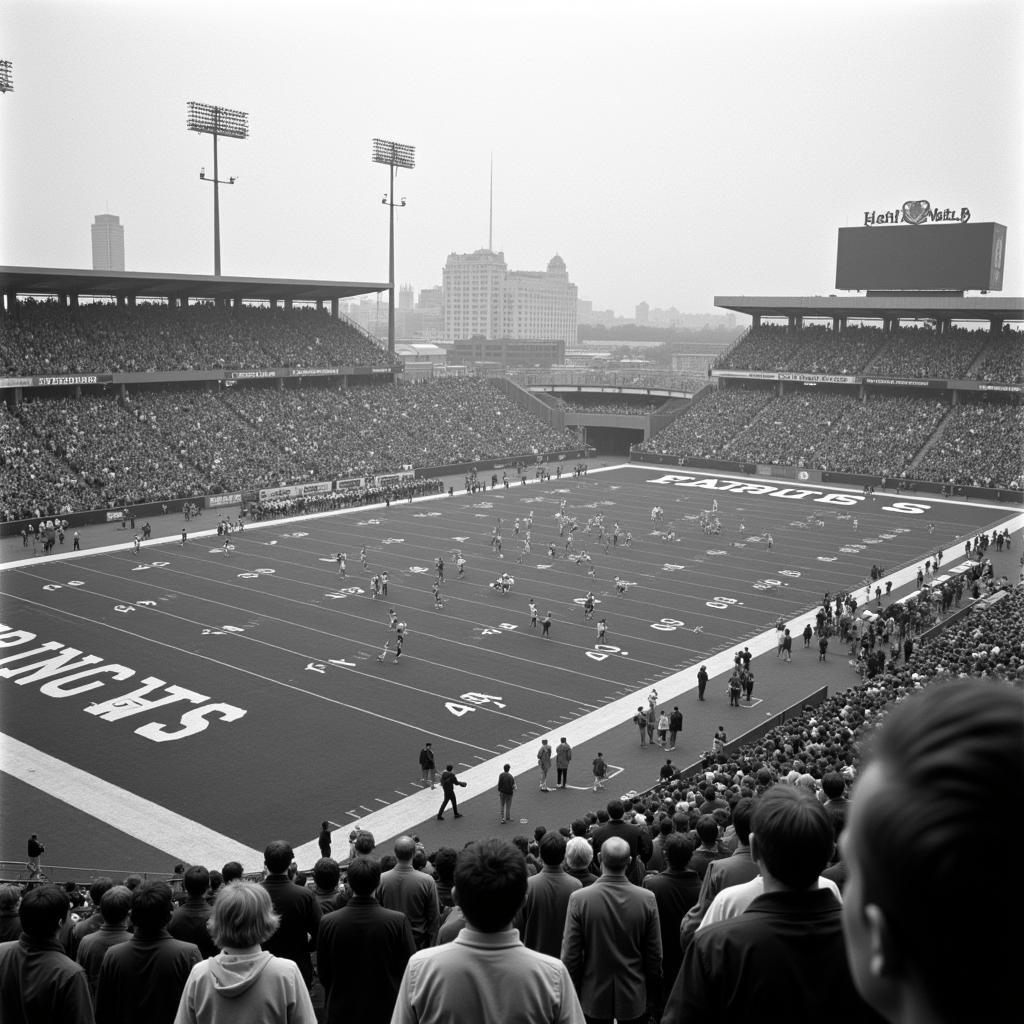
(243,983)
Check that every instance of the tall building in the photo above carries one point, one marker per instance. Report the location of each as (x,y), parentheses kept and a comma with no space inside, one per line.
(483,298)
(107,243)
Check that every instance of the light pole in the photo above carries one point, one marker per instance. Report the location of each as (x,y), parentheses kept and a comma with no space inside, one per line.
(216,121)
(394,154)
(6,76)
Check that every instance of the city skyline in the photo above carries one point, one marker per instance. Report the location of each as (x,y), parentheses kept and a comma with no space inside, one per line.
(704,151)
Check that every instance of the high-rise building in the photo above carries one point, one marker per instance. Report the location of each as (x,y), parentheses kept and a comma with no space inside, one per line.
(483,298)
(107,243)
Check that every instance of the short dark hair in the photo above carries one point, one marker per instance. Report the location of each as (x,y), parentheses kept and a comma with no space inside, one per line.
(364,843)
(42,911)
(615,809)
(490,883)
(552,848)
(794,835)
(950,756)
(152,906)
(707,829)
(678,850)
(444,864)
(231,871)
(364,876)
(742,813)
(116,903)
(326,874)
(197,880)
(833,785)
(278,856)
(98,887)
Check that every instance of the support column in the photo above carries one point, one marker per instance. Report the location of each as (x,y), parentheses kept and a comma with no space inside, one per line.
(755,320)
(995,326)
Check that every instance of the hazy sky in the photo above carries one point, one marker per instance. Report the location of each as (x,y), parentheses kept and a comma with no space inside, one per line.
(668,151)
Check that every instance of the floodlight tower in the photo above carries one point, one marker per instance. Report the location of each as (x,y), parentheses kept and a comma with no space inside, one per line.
(6,76)
(217,121)
(394,154)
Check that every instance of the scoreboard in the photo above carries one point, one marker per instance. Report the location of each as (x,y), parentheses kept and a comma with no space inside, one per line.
(921,257)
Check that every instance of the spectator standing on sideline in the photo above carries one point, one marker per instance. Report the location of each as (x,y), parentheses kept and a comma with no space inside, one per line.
(544,764)
(945,760)
(324,839)
(786,949)
(600,771)
(244,982)
(35,851)
(612,943)
(189,920)
(39,984)
(675,726)
(506,790)
(412,892)
(702,681)
(142,979)
(297,908)
(541,920)
(486,973)
(448,784)
(563,755)
(428,768)
(361,952)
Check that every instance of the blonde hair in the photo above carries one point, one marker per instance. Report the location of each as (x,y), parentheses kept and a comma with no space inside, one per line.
(242,915)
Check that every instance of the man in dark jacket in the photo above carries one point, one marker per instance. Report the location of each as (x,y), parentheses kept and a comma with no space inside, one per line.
(300,913)
(361,952)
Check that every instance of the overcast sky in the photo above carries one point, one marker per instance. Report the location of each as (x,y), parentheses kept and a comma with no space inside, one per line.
(668,151)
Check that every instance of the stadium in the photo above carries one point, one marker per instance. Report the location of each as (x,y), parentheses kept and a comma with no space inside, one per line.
(252,566)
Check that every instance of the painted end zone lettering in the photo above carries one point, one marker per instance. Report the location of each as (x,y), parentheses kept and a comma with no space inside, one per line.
(55,666)
(748,487)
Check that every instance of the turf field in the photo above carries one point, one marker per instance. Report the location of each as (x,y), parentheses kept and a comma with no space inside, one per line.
(198,701)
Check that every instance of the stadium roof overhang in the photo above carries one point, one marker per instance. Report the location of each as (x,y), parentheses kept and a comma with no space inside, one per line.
(946,307)
(50,281)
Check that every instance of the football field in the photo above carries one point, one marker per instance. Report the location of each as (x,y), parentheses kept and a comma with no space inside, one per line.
(200,702)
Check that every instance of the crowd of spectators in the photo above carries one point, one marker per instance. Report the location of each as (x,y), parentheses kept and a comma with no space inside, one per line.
(44,338)
(839,432)
(622,407)
(982,445)
(710,423)
(73,454)
(906,351)
(687,840)
(1003,360)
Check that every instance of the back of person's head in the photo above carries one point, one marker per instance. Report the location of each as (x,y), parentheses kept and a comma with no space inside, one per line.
(579,827)
(242,916)
(134,881)
(216,880)
(833,785)
(197,881)
(793,836)
(42,911)
(444,864)
(741,816)
(614,855)
(710,793)
(278,857)
(616,809)
(678,851)
(707,829)
(579,854)
(602,816)
(665,826)
(152,906)
(115,904)
(98,887)
(364,876)
(9,896)
(231,871)
(405,847)
(944,764)
(326,874)
(364,844)
(490,883)
(552,848)
(387,862)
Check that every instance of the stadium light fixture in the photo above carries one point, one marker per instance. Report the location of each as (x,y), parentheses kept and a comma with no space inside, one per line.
(206,119)
(394,155)
(6,76)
